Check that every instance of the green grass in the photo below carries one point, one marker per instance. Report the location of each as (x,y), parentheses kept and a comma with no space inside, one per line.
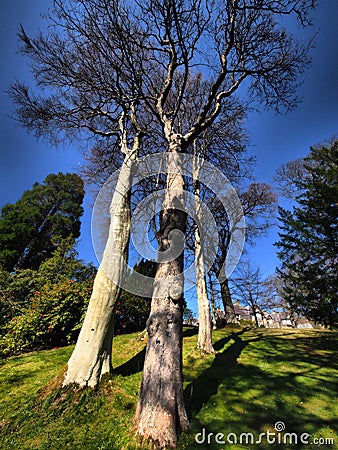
(256,378)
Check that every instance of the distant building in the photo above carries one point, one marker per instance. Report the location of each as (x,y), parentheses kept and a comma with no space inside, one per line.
(266,319)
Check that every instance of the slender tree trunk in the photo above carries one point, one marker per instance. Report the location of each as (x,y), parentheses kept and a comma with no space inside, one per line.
(91,358)
(254,309)
(161,412)
(256,318)
(30,248)
(212,301)
(204,341)
(228,306)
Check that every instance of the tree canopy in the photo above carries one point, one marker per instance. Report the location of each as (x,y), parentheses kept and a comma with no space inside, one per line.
(31,228)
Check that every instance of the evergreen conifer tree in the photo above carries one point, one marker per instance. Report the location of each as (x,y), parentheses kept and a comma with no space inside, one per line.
(309,240)
(31,228)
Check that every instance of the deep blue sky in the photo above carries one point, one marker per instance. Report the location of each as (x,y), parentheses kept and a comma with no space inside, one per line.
(274,139)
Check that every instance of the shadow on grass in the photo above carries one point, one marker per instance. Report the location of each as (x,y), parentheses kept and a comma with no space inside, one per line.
(190,331)
(19,378)
(199,392)
(280,378)
(134,365)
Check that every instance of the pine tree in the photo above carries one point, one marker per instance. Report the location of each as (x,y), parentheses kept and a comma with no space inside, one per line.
(31,228)
(309,240)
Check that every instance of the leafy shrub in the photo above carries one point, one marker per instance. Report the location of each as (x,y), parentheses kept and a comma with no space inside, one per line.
(52,320)
(17,289)
(132,313)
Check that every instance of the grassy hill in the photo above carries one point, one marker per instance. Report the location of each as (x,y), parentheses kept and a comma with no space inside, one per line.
(256,379)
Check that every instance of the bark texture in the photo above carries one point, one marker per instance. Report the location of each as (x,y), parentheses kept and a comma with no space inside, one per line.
(204,341)
(92,355)
(228,306)
(161,412)
(212,301)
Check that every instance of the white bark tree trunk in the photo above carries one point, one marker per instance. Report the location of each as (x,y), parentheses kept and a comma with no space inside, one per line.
(92,355)
(204,341)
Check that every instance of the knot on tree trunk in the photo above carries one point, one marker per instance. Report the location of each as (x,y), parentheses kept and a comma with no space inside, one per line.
(156,323)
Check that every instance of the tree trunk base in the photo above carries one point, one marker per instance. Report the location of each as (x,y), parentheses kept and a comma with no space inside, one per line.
(88,375)
(156,426)
(206,348)
(161,413)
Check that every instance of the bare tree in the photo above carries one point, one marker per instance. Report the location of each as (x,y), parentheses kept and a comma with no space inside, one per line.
(287,176)
(259,203)
(274,293)
(246,43)
(93,96)
(108,58)
(250,289)
(225,145)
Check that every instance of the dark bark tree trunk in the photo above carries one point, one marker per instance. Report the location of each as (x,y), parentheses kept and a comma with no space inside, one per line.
(256,318)
(161,412)
(212,301)
(228,306)
(254,311)
(254,308)
(30,249)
